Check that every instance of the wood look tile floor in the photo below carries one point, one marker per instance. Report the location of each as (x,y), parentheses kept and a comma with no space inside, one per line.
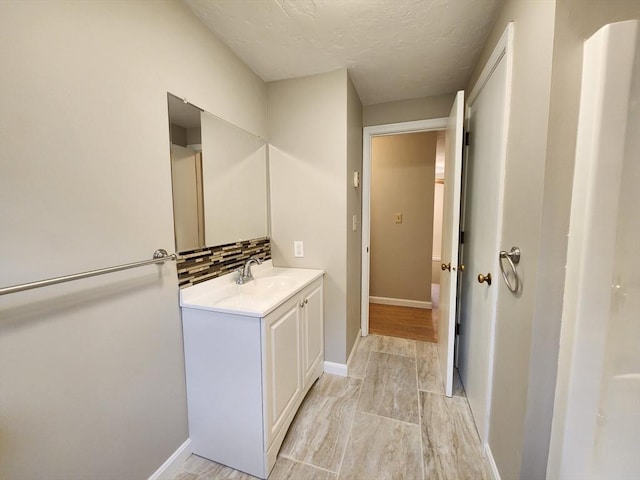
(388,420)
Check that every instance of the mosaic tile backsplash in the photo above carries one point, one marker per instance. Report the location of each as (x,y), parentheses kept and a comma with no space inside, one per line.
(197,266)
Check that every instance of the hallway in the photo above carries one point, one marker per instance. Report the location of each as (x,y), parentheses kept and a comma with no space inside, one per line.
(388,419)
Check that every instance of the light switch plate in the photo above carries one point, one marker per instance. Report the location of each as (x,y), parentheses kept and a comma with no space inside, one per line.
(298,248)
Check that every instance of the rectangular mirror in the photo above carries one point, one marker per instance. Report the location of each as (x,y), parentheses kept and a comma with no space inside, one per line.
(219,179)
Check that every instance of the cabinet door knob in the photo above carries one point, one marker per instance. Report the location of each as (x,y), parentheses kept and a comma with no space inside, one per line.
(306,300)
(485,278)
(301,304)
(446,266)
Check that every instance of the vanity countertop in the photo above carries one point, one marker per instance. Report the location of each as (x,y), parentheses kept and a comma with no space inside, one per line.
(257,298)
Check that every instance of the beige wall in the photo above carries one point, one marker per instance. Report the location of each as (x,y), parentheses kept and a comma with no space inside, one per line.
(576,20)
(178,135)
(402,181)
(92,371)
(526,148)
(308,174)
(408,110)
(354,207)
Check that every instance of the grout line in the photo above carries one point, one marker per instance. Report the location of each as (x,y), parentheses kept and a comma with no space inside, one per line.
(353,417)
(308,464)
(389,418)
(376,349)
(393,354)
(364,375)
(323,395)
(424,477)
(441,394)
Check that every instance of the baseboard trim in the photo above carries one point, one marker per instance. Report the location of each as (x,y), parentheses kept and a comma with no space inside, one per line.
(336,368)
(493,468)
(174,462)
(401,302)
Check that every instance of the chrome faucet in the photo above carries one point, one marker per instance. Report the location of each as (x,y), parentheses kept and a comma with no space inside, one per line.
(244,273)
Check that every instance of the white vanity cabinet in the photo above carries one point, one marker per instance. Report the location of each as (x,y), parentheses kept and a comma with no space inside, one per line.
(248,372)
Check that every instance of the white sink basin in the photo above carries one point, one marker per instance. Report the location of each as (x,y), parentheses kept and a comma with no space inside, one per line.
(256,298)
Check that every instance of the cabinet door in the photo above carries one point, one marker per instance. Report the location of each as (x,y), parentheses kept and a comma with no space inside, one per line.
(282,364)
(313,329)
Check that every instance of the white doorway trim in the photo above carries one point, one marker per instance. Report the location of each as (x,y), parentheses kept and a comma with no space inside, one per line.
(367,134)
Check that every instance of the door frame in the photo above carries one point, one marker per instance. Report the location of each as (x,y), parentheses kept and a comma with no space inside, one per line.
(433,124)
(502,50)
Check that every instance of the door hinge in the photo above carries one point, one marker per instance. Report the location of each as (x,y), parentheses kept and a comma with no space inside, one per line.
(466,138)
(461,236)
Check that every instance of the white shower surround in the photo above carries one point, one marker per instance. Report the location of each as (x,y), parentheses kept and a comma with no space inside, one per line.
(597,279)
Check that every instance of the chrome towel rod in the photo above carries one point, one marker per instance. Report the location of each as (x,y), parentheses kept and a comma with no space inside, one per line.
(159,256)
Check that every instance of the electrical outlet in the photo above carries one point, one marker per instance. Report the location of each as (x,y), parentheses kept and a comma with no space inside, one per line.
(298,248)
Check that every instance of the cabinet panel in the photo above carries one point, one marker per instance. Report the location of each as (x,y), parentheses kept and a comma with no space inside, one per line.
(313,318)
(284,379)
(224,388)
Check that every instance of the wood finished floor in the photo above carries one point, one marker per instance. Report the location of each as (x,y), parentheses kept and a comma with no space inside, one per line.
(404,322)
(389,419)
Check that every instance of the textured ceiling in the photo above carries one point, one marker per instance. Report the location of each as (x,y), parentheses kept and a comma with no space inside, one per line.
(394,49)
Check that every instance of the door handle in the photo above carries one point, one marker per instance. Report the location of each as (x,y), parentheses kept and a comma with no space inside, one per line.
(446,266)
(485,278)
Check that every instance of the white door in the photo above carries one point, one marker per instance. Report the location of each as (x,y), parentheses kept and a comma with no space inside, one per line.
(481,226)
(450,239)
